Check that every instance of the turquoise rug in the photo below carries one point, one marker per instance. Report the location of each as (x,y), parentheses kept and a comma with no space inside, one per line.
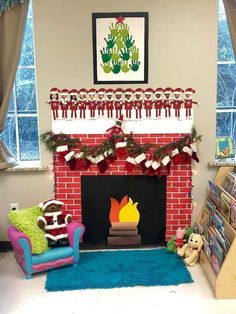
(120,268)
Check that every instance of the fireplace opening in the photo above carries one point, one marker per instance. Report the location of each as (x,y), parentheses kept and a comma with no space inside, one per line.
(120,210)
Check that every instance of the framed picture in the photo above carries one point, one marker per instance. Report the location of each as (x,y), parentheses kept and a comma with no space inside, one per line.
(224,147)
(120,47)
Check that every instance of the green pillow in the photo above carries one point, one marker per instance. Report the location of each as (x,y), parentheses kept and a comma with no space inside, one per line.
(25,220)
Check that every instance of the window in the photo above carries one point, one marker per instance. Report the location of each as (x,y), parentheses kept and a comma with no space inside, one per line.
(226,88)
(21,128)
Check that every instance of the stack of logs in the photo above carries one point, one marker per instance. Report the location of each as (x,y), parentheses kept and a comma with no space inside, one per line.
(123,233)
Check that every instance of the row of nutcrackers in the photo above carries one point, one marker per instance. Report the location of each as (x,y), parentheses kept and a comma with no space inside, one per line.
(73,103)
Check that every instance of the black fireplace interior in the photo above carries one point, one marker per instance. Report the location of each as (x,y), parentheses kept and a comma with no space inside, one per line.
(149,192)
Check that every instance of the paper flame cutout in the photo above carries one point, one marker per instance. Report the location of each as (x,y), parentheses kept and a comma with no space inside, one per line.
(125,211)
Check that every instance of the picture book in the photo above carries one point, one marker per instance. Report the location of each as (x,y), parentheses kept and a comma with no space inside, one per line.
(224,147)
(233,213)
(213,194)
(224,207)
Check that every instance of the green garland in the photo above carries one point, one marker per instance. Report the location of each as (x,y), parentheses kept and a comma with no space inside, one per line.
(52,141)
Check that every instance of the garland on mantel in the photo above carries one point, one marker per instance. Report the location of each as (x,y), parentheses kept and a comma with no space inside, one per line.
(80,156)
(8,4)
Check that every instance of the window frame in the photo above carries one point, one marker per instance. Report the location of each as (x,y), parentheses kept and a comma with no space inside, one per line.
(224,109)
(14,113)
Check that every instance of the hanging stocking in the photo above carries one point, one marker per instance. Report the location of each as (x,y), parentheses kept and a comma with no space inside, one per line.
(62,151)
(130,164)
(156,165)
(175,156)
(148,165)
(120,146)
(166,161)
(88,162)
(101,163)
(140,160)
(194,152)
(71,160)
(186,155)
(79,161)
(110,155)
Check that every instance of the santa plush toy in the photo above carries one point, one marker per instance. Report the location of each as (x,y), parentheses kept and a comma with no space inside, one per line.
(116,130)
(54,102)
(54,222)
(64,102)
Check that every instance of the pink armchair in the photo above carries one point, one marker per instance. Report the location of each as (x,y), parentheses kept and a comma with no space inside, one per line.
(53,258)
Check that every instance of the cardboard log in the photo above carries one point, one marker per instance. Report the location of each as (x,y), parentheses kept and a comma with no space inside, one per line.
(123,232)
(132,240)
(123,226)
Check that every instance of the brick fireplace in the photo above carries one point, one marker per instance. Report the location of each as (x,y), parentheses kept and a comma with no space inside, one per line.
(178,183)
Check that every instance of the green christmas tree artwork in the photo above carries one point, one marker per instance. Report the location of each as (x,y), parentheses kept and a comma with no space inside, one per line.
(120,53)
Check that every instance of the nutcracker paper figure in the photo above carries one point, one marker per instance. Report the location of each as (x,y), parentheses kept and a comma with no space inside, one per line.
(158,102)
(110,102)
(64,102)
(101,101)
(148,102)
(54,102)
(82,102)
(177,101)
(73,103)
(167,101)
(188,102)
(128,103)
(118,103)
(92,102)
(138,102)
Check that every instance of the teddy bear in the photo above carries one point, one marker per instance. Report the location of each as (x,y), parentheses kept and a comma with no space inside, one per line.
(54,223)
(191,250)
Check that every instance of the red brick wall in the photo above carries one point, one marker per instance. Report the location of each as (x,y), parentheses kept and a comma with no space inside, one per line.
(178,194)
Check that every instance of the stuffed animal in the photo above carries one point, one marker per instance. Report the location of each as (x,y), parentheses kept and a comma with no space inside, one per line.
(171,245)
(54,223)
(191,250)
(188,232)
(179,237)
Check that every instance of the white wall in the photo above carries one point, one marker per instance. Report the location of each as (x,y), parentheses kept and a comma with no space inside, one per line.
(182,53)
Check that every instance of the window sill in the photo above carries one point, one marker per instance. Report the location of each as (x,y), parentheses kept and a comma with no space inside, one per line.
(222,163)
(26,169)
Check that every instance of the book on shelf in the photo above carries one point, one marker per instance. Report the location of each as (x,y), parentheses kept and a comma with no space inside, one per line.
(224,206)
(211,226)
(214,195)
(233,213)
(230,184)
